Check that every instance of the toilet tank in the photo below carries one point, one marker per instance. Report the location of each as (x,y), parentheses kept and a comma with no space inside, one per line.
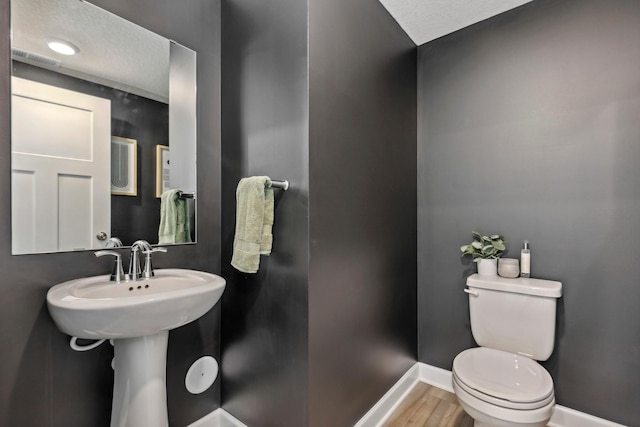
(514,315)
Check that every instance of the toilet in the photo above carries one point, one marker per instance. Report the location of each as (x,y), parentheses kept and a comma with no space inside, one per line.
(500,383)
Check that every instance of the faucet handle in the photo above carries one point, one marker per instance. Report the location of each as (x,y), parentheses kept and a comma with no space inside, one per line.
(152,250)
(117,274)
(148,268)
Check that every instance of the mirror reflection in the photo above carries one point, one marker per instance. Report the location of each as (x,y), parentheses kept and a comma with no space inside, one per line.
(103,123)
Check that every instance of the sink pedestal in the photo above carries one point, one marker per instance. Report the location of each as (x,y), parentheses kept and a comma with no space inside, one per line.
(139,390)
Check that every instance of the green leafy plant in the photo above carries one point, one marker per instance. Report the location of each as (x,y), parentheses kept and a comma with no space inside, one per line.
(484,247)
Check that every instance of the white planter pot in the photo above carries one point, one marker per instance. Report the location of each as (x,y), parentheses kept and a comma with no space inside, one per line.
(488,267)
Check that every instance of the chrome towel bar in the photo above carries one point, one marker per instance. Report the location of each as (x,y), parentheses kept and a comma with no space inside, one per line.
(284,185)
(280,184)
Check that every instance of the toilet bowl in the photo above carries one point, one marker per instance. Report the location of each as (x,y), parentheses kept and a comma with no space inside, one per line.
(501,389)
(500,383)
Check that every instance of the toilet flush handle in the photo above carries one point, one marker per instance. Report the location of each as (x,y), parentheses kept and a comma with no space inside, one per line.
(472,292)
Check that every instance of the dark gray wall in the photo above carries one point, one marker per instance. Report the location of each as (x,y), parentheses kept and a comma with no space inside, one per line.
(280,367)
(362,287)
(264,331)
(42,381)
(528,126)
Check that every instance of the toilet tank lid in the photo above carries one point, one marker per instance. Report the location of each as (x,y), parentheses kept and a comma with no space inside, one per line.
(520,285)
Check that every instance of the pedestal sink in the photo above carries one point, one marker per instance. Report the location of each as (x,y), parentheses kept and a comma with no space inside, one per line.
(138,316)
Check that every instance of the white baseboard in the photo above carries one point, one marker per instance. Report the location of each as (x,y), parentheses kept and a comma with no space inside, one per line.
(437,377)
(217,418)
(567,417)
(441,378)
(390,401)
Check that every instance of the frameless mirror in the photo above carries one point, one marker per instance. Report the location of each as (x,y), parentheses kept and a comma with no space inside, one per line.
(103,122)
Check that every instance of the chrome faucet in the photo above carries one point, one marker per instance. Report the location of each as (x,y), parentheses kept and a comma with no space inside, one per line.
(135,272)
(113,242)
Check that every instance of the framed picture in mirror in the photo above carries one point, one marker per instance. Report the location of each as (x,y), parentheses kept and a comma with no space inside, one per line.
(162,169)
(124,170)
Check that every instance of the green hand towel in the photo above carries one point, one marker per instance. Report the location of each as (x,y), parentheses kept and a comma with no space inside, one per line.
(254,222)
(174,219)
(266,239)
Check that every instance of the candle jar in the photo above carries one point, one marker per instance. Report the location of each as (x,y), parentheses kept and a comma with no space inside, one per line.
(508,267)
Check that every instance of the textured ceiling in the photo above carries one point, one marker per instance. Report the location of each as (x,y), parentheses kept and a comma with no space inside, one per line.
(113,51)
(426,20)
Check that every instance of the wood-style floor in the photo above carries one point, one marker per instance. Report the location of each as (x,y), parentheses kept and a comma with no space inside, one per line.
(429,406)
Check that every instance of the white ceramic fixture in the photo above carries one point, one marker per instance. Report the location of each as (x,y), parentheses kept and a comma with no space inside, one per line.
(137,315)
(513,321)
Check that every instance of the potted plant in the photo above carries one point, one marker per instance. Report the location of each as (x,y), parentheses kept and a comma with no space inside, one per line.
(485,250)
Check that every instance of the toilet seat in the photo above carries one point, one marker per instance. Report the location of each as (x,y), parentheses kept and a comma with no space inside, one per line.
(503,379)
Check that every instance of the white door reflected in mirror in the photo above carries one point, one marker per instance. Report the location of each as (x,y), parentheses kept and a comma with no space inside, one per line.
(60,174)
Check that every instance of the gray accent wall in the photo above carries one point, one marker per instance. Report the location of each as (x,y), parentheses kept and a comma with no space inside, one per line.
(42,381)
(264,132)
(529,126)
(328,324)
(362,174)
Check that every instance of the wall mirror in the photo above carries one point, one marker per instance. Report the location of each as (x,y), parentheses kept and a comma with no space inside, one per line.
(93,98)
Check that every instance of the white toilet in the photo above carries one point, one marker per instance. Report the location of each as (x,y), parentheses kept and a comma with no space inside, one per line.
(500,384)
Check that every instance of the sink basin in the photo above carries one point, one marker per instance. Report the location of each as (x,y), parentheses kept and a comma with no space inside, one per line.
(138,316)
(96,308)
